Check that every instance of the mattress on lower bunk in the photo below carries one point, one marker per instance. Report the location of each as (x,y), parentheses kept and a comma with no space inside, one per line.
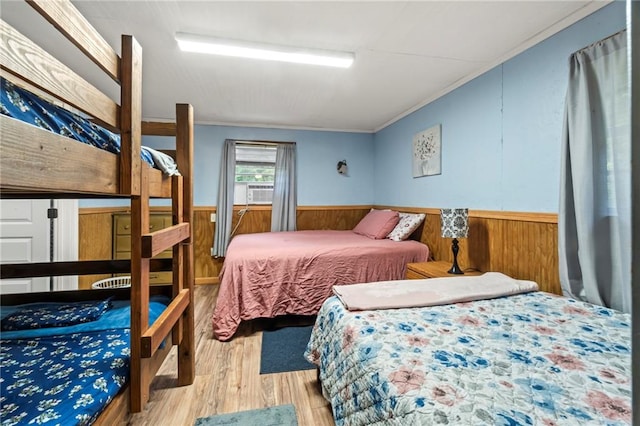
(65,375)
(529,359)
(23,105)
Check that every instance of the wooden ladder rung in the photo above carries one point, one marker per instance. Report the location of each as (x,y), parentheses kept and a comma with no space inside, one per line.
(157,242)
(159,330)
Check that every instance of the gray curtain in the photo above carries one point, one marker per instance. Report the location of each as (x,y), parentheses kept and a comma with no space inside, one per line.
(224,210)
(594,228)
(283,211)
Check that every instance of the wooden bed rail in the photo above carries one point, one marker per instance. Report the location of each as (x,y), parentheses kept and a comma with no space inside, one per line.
(77,267)
(27,150)
(154,128)
(22,57)
(70,22)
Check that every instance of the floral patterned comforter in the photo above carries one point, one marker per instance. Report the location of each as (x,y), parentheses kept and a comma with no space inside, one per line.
(65,375)
(64,380)
(23,105)
(529,359)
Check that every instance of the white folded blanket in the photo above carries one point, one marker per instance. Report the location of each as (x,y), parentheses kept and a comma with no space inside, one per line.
(429,292)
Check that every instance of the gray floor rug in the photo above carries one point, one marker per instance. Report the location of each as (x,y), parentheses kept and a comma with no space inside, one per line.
(281,415)
(283,350)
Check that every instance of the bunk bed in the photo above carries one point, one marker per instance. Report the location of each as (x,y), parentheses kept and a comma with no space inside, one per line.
(37,163)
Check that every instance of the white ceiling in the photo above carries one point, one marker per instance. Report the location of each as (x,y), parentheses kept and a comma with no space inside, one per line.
(408,53)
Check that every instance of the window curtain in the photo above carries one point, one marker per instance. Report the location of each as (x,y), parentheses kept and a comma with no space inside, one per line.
(594,227)
(283,209)
(224,209)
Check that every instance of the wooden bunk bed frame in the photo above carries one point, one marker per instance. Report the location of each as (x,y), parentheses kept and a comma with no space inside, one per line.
(35,163)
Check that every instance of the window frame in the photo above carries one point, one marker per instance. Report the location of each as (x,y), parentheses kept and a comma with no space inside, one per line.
(241,187)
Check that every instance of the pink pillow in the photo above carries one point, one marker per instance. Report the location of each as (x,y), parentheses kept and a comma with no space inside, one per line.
(377,224)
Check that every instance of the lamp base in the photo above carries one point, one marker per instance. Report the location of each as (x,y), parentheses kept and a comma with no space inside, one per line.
(455,269)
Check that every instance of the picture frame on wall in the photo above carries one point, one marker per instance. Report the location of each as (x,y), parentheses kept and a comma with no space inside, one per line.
(427,152)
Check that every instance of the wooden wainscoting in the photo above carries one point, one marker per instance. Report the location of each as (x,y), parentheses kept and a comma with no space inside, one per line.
(95,240)
(330,217)
(258,219)
(95,229)
(521,245)
(206,268)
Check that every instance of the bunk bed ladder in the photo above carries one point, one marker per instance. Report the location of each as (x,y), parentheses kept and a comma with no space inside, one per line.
(175,325)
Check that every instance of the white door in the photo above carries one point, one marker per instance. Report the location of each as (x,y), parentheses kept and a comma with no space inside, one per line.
(24,237)
(66,241)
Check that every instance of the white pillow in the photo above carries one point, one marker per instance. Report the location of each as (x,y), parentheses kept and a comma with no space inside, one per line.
(408,223)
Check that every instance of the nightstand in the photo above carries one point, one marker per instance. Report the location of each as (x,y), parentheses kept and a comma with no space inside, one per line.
(435,269)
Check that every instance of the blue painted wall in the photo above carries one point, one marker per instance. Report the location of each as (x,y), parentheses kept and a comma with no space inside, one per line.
(318,153)
(501,132)
(501,140)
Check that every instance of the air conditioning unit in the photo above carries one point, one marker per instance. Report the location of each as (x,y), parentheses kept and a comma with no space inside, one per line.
(259,193)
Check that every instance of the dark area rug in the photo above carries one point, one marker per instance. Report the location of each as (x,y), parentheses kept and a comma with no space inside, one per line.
(283,350)
(281,415)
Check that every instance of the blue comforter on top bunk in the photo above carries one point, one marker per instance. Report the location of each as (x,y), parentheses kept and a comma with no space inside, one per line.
(66,375)
(23,105)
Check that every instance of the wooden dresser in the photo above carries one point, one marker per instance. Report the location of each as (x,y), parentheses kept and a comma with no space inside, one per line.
(434,269)
(122,241)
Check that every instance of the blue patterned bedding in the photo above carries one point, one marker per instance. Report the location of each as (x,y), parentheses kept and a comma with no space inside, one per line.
(65,375)
(529,359)
(25,106)
(45,315)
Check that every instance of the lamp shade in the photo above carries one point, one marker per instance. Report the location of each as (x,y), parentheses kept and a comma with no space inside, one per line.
(454,223)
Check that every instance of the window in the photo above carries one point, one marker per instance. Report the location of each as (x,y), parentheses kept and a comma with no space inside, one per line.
(255,169)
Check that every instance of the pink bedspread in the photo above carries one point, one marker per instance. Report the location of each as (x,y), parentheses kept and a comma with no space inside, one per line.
(278,273)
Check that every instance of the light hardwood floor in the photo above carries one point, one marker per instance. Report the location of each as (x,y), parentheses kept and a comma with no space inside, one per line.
(228,379)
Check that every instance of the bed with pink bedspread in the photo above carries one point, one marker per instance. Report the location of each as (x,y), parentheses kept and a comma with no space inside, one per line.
(291,273)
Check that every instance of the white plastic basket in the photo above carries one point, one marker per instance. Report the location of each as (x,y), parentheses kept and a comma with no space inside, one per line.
(115,282)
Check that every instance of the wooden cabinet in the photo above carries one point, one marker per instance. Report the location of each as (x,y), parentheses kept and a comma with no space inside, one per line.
(435,269)
(122,241)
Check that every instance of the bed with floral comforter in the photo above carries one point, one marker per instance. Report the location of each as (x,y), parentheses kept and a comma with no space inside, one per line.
(528,359)
(62,363)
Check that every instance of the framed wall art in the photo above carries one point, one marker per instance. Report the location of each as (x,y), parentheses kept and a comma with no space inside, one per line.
(427,152)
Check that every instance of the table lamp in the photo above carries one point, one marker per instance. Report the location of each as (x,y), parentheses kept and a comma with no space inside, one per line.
(454,224)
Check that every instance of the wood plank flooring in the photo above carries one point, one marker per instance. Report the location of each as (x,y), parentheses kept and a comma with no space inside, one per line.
(228,379)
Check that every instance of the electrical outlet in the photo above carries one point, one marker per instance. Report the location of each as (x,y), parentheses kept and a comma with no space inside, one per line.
(213,217)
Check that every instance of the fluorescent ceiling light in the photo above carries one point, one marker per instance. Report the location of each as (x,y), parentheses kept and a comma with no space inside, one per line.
(216,46)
